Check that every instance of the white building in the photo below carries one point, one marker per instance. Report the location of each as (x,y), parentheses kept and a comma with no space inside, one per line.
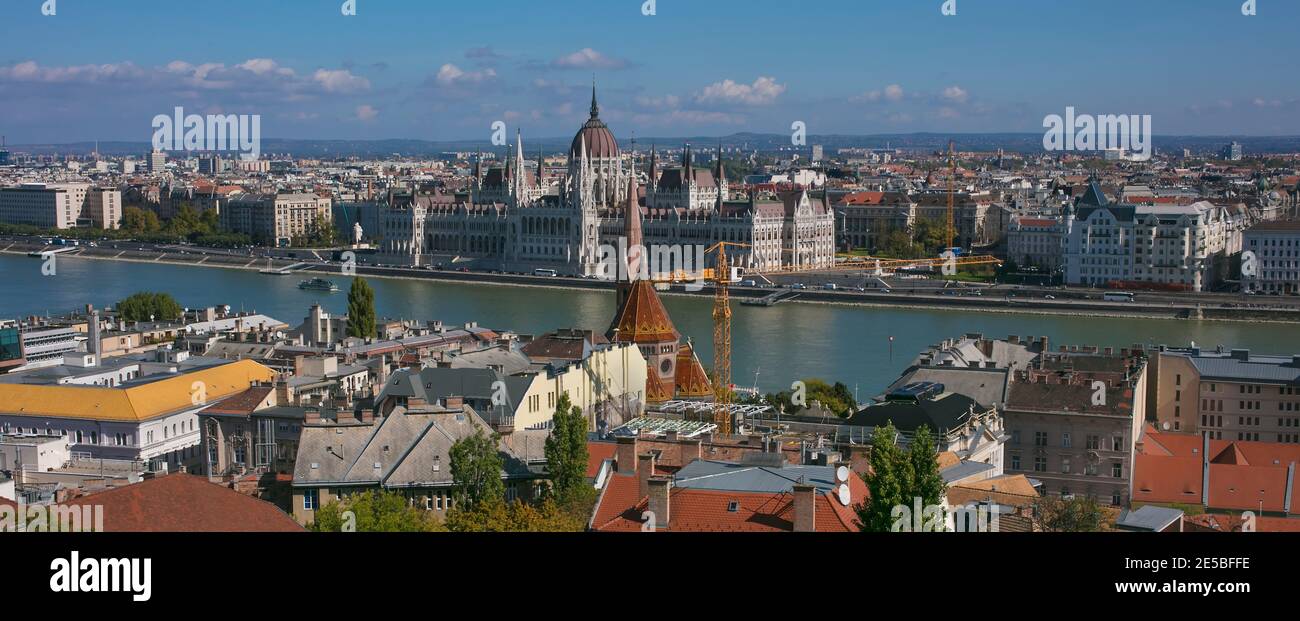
(1276,249)
(134,410)
(515,219)
(1179,247)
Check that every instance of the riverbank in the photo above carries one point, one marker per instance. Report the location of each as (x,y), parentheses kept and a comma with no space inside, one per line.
(897,299)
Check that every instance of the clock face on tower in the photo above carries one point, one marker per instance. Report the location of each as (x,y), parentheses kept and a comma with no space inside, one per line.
(666,366)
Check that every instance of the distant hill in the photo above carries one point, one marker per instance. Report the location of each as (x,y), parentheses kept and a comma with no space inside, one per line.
(1010,142)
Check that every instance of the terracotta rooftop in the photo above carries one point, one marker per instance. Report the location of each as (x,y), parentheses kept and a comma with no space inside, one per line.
(186,503)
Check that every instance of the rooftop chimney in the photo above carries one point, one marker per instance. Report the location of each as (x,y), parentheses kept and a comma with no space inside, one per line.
(805,508)
(645,468)
(625,454)
(659,493)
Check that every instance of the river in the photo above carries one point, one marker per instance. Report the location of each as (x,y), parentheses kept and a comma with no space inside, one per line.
(779,344)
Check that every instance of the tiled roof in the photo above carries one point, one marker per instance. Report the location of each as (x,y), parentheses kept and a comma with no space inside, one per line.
(1168,468)
(704,510)
(186,503)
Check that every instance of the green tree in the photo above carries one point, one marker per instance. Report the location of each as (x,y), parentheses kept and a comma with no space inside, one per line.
(136,220)
(888,481)
(566,449)
(499,516)
(476,471)
(837,398)
(375,511)
(927,483)
(146,306)
(361,309)
(1056,514)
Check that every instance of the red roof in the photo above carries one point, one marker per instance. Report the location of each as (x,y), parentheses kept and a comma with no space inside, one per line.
(700,510)
(186,503)
(597,453)
(1168,468)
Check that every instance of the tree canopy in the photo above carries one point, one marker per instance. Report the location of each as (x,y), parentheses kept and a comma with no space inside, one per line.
(566,449)
(146,306)
(898,477)
(361,309)
(375,511)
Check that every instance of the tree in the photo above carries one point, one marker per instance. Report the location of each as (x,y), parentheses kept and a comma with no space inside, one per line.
(837,398)
(900,477)
(888,481)
(927,482)
(137,220)
(361,309)
(145,306)
(1057,514)
(375,511)
(566,449)
(476,471)
(499,516)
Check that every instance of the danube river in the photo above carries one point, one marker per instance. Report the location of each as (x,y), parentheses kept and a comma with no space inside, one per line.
(782,343)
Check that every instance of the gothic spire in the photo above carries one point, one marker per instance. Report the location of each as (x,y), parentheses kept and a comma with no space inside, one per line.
(595,109)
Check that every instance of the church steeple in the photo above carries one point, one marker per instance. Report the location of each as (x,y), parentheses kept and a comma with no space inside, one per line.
(721,180)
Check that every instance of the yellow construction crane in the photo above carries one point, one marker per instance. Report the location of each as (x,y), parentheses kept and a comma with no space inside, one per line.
(722,336)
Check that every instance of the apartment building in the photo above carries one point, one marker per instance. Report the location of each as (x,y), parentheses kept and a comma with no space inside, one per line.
(1035,241)
(1177,247)
(1276,248)
(277,218)
(142,408)
(407,451)
(1227,395)
(61,206)
(868,217)
(1073,417)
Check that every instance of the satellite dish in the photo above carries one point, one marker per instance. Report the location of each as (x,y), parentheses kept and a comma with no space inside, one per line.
(843,493)
(842,474)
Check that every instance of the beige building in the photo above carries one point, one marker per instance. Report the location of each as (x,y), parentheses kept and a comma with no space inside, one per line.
(1035,241)
(61,206)
(277,218)
(868,217)
(1074,417)
(1230,395)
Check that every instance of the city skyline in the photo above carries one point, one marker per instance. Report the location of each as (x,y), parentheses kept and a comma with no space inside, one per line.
(447,73)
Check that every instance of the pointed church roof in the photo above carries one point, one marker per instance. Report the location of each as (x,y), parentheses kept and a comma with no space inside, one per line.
(691,381)
(1094,196)
(642,318)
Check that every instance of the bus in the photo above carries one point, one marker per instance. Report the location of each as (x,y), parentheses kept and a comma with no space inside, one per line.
(1118,296)
(546,272)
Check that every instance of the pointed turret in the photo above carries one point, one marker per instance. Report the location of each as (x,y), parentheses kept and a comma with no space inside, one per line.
(632,235)
(721,180)
(595,108)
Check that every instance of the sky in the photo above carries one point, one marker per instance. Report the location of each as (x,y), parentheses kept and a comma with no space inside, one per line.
(443,70)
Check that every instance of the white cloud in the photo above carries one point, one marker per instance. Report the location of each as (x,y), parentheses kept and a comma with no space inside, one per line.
(31,71)
(340,81)
(893,92)
(763,91)
(451,75)
(366,112)
(955,94)
(587,58)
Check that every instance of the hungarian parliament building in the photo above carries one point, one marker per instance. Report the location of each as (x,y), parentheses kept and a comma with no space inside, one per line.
(513,219)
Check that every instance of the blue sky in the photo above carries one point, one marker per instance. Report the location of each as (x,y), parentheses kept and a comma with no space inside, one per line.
(436,69)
